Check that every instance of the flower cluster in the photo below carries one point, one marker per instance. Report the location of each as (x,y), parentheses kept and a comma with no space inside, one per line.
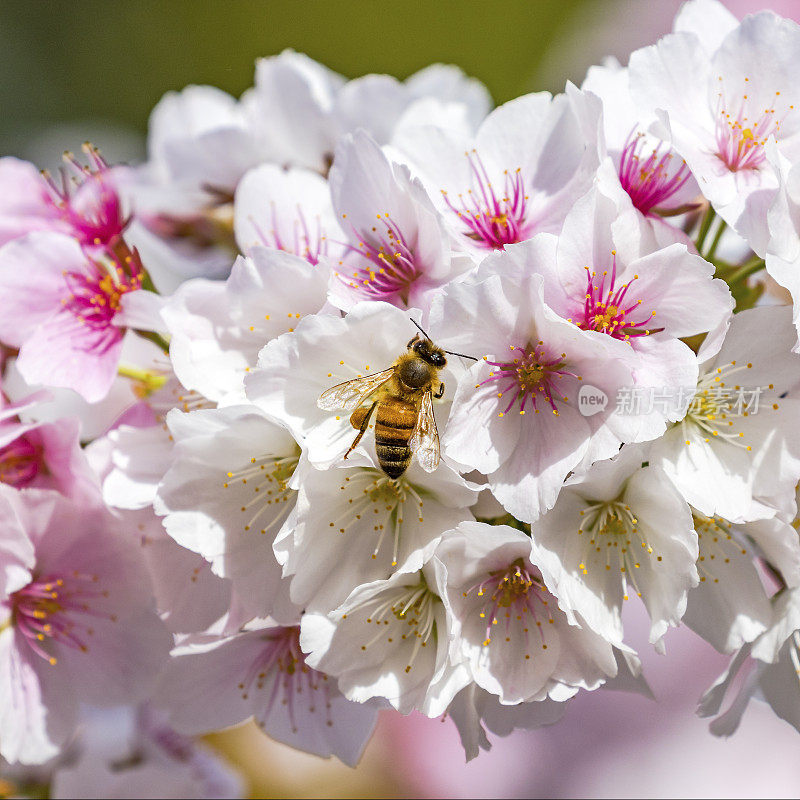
(327,407)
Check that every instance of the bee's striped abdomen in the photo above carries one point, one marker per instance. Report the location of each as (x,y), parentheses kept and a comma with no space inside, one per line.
(393,428)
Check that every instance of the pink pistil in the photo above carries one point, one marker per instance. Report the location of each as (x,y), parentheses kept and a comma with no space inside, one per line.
(283,662)
(491,220)
(605,309)
(648,180)
(530,376)
(512,593)
(393,263)
(20,462)
(52,608)
(87,200)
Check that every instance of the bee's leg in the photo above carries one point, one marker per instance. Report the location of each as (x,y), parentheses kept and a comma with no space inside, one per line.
(360,419)
(440,393)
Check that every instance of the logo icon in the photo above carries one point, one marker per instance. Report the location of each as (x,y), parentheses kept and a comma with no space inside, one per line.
(591,400)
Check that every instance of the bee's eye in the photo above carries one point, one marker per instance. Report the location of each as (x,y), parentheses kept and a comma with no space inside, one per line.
(438,360)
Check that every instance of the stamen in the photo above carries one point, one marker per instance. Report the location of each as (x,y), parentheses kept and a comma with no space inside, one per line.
(53,609)
(413,605)
(307,244)
(393,265)
(283,663)
(95,296)
(612,539)
(374,497)
(718,545)
(87,199)
(268,477)
(742,132)
(517,598)
(649,181)
(493,221)
(532,375)
(715,409)
(605,309)
(20,462)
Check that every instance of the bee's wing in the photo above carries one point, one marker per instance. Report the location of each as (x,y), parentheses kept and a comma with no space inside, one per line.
(351,394)
(424,441)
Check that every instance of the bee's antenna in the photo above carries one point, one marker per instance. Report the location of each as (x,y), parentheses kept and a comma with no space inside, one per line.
(461,355)
(421,328)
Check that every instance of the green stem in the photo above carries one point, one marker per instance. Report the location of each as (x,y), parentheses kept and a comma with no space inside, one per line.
(746,270)
(155,338)
(705,225)
(712,251)
(509,520)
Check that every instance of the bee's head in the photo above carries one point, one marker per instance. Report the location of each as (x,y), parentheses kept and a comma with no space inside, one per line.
(428,351)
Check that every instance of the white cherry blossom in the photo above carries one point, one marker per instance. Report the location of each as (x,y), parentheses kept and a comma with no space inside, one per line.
(200,144)
(767,669)
(213,682)
(287,210)
(302,108)
(323,351)
(474,711)
(735,453)
(218,328)
(223,532)
(398,249)
(129,750)
(782,258)
(709,20)
(389,639)
(226,496)
(657,180)
(77,620)
(619,529)
(722,107)
(730,605)
(352,524)
(188,595)
(528,162)
(507,626)
(515,414)
(609,276)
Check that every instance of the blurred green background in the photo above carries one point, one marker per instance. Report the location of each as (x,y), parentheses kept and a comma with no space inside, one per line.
(102,65)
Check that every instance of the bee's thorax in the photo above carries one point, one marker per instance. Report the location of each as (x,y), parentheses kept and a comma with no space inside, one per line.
(414,372)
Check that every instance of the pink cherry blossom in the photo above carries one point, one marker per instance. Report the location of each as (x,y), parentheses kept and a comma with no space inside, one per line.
(83,201)
(721,106)
(515,414)
(78,622)
(397,249)
(43,455)
(529,161)
(654,176)
(67,311)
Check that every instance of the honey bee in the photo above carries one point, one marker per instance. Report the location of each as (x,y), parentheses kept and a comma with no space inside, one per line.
(402,397)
